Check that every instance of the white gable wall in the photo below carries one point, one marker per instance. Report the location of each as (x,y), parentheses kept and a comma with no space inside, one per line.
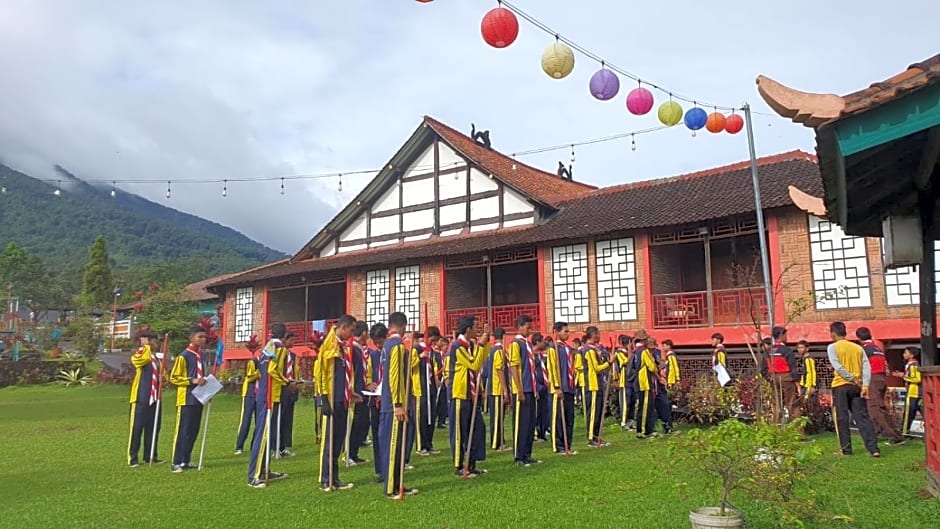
(418,192)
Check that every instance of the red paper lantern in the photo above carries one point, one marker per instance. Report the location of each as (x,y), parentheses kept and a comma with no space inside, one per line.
(715,122)
(499,27)
(425,1)
(734,123)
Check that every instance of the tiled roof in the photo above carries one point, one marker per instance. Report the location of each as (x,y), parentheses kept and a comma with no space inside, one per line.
(916,76)
(695,197)
(537,184)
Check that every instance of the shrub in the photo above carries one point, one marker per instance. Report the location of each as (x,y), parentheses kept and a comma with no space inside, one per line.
(124,376)
(709,403)
(763,462)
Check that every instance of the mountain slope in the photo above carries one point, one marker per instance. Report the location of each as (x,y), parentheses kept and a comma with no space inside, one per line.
(140,233)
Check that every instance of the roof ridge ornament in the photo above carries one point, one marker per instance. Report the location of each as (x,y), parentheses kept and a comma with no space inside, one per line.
(481,137)
(564,172)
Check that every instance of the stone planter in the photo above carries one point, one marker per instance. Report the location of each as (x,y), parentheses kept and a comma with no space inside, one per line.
(708,518)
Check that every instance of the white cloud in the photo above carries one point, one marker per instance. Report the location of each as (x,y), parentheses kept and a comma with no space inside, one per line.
(227,89)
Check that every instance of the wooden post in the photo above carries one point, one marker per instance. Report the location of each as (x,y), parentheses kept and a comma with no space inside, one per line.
(928,288)
(708,279)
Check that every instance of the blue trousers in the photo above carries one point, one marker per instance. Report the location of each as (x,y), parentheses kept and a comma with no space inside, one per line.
(248,414)
(663,407)
(257,463)
(645,413)
(497,419)
(593,409)
(563,411)
(391,437)
(524,427)
(332,445)
(543,415)
(187,430)
(464,410)
(286,431)
(410,430)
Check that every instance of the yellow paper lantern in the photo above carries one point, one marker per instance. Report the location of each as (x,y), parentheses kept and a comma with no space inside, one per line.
(670,113)
(558,60)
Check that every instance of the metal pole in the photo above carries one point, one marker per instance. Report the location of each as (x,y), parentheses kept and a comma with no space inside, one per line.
(764,254)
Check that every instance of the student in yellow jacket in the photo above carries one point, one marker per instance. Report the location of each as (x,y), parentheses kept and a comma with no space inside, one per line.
(647,371)
(911,376)
(595,373)
(334,381)
(148,365)
(467,356)
(498,396)
(249,394)
(850,379)
(188,372)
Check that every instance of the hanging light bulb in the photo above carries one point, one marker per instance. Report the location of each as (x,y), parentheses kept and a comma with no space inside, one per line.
(340,187)
(224,188)
(58,189)
(168,189)
(282,186)
(113,190)
(633,142)
(3,190)
(572,154)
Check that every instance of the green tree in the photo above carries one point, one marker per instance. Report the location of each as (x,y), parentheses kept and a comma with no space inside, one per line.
(97,282)
(86,334)
(165,313)
(37,288)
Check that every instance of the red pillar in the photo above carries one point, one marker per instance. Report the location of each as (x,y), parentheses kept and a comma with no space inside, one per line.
(931,410)
(776,268)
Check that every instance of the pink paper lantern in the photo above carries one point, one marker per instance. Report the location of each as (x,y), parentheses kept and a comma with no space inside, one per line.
(639,101)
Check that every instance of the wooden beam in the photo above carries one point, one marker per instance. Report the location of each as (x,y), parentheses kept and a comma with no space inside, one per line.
(429,205)
(928,159)
(437,189)
(907,115)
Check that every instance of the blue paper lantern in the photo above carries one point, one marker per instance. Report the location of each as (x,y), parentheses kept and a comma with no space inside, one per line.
(695,118)
(604,84)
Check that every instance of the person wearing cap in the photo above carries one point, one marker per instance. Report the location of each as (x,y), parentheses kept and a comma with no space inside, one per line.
(881,417)
(784,373)
(144,394)
(249,394)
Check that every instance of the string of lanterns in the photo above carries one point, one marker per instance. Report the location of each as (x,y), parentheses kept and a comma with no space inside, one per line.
(500,28)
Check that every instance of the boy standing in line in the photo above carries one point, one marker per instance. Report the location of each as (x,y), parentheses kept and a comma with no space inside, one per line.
(850,382)
(249,394)
(335,388)
(188,372)
(144,395)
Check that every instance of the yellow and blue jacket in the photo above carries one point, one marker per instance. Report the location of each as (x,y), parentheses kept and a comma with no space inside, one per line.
(912,377)
(147,366)
(185,368)
(593,367)
(466,358)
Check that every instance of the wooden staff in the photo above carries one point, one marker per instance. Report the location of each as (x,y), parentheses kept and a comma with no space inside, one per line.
(604,403)
(269,404)
(473,418)
(156,416)
(205,428)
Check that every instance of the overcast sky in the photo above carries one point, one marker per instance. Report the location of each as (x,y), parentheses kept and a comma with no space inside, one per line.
(225,89)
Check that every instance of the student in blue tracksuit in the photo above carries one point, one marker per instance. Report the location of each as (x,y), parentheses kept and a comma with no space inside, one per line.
(290,392)
(258,473)
(249,394)
(498,384)
(334,382)
(189,371)
(543,410)
(396,361)
(360,410)
(525,388)
(427,405)
(563,378)
(374,376)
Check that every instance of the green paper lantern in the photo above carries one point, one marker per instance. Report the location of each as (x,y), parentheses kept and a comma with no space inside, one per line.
(670,113)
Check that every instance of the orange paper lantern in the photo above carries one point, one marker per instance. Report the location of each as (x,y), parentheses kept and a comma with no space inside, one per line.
(715,122)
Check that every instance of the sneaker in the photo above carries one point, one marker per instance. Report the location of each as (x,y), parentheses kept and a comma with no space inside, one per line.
(523,464)
(190,466)
(339,485)
(134,464)
(533,461)
(177,469)
(276,475)
(631,424)
(409,466)
(876,455)
(434,452)
(257,484)
(592,444)
(367,442)
(423,453)
(479,471)
(359,460)
(897,442)
(603,444)
(238,451)
(351,463)
(287,453)
(326,488)
(572,452)
(398,495)
(642,436)
(460,474)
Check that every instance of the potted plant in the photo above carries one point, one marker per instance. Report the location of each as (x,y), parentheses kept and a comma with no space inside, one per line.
(763,461)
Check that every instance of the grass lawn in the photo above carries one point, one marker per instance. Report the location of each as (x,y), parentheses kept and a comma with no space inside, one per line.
(64,465)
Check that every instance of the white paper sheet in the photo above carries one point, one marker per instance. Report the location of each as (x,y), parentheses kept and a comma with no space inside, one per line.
(723,376)
(205,392)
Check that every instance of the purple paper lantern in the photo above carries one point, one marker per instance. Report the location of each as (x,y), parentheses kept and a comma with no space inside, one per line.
(604,84)
(639,101)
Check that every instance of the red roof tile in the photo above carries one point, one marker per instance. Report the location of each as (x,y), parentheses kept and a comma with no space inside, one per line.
(691,198)
(542,186)
(916,76)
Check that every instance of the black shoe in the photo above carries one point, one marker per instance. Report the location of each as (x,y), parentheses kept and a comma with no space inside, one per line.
(358,460)
(460,474)
(155,462)
(378,479)
(257,484)
(276,475)
(478,471)
(190,466)
(522,464)
(134,464)
(399,496)
(340,485)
